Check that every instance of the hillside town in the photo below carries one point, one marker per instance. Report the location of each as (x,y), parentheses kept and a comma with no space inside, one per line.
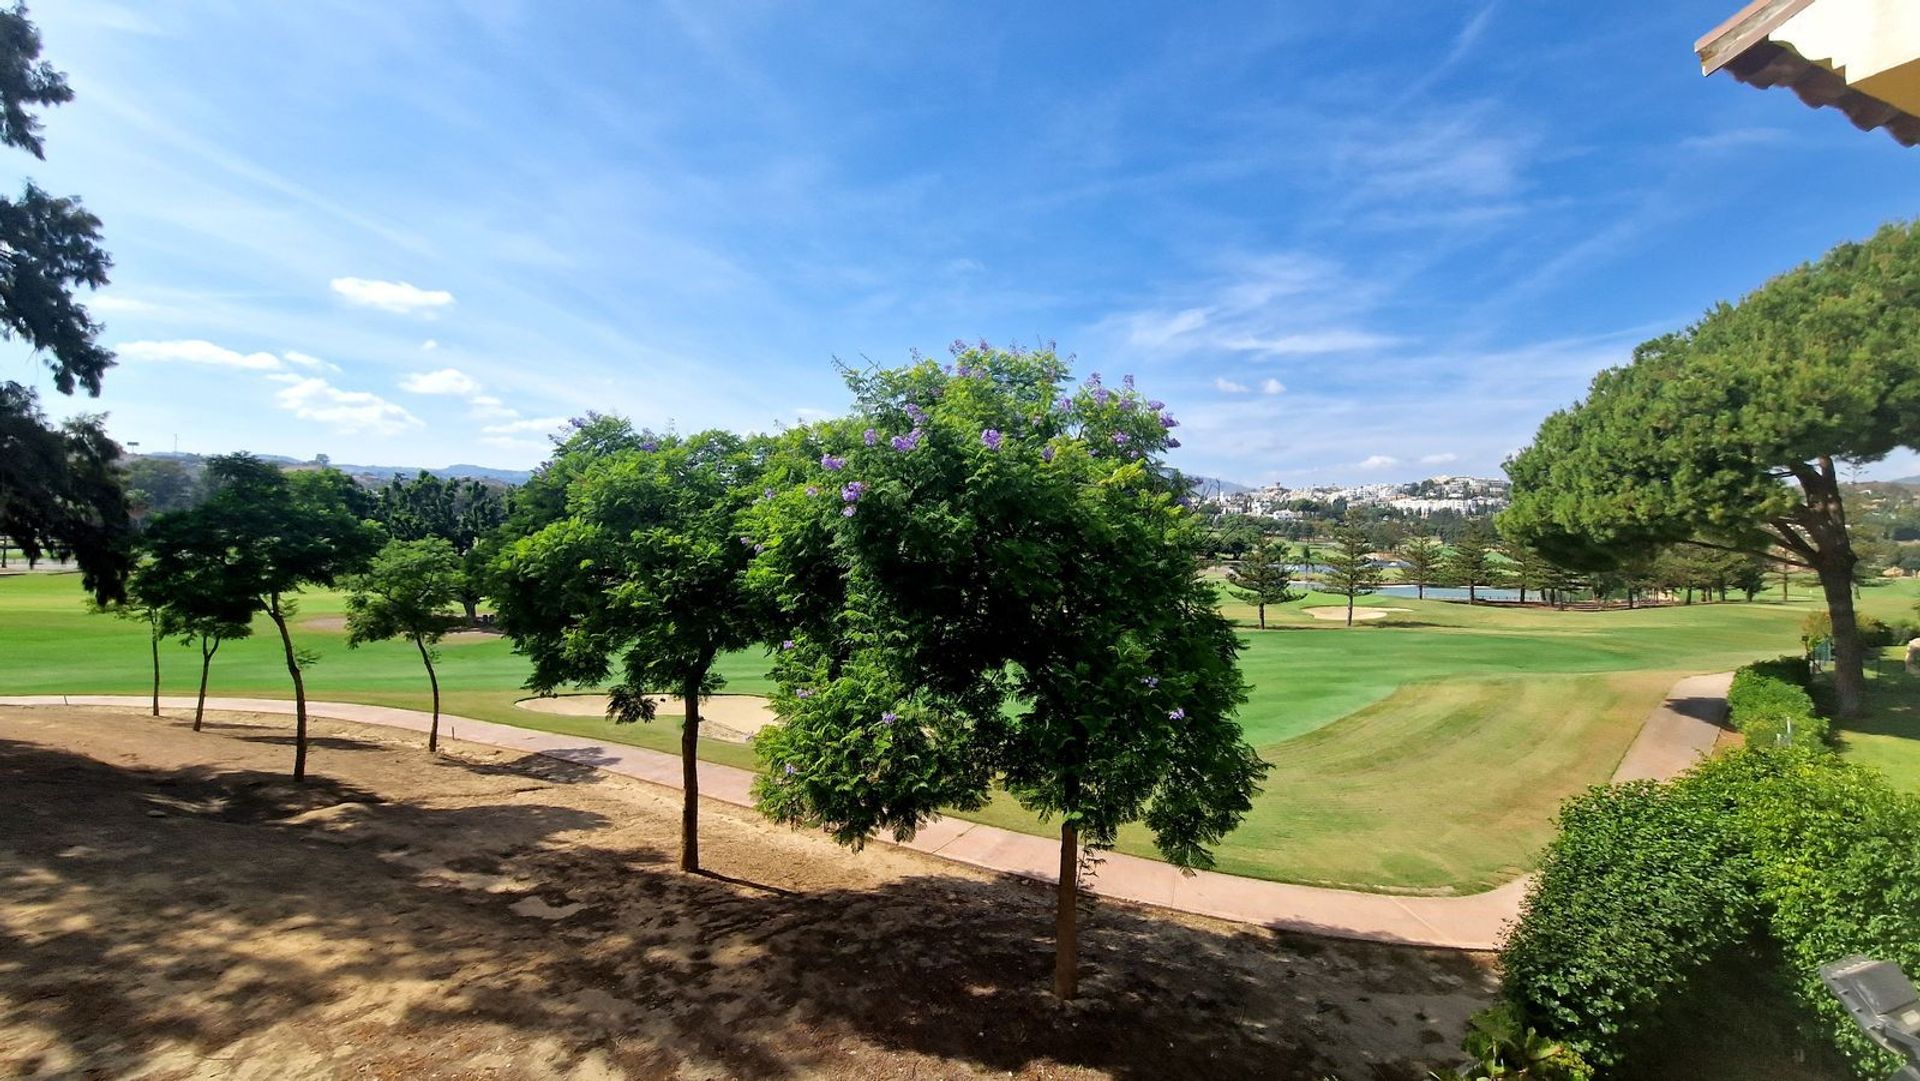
(1465,496)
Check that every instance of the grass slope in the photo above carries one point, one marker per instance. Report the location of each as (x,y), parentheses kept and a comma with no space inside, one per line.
(1423,752)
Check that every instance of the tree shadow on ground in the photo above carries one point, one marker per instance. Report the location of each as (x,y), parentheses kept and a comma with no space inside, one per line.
(325,743)
(257,908)
(539,766)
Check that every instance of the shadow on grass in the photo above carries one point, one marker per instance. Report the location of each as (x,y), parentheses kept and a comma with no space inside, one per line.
(258,903)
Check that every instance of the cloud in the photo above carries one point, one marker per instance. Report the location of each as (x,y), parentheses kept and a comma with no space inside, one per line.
(1439,459)
(196,351)
(1328,341)
(531,424)
(402,298)
(429,346)
(346,411)
(488,407)
(1272,386)
(311,363)
(1155,330)
(115,304)
(1733,139)
(1379,461)
(450,381)
(1228,386)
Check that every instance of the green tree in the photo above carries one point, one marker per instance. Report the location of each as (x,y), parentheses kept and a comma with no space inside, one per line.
(991,577)
(461,512)
(1422,555)
(1528,568)
(141,603)
(187,576)
(1734,430)
(1470,562)
(1350,570)
(278,534)
(405,593)
(59,489)
(643,571)
(160,485)
(1264,577)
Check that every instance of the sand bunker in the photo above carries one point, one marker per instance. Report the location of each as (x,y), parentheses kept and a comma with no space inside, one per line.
(731,717)
(1339,615)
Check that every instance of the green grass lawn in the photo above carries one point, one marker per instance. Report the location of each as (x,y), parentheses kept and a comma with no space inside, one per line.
(1423,752)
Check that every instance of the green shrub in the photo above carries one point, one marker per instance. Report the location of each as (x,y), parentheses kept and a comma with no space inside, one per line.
(1505,1049)
(1875,633)
(1788,849)
(1769,709)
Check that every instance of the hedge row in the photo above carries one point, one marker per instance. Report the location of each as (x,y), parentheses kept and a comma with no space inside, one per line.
(1770,705)
(1648,884)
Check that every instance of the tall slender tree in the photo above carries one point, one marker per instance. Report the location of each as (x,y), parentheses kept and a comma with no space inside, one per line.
(187,572)
(1734,431)
(406,592)
(1351,571)
(1469,563)
(640,577)
(1422,555)
(1264,577)
(991,576)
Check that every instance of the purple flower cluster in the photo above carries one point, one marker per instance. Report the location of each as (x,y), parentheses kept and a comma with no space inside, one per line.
(916,414)
(746,542)
(1065,405)
(788,769)
(956,347)
(888,718)
(1046,453)
(907,442)
(804,692)
(787,645)
(1100,395)
(1167,421)
(1127,381)
(1173,444)
(992,438)
(1150,681)
(812,491)
(847,511)
(1156,404)
(870,437)
(649,446)
(768,496)
(831,464)
(853,491)
(1120,439)
(1176,714)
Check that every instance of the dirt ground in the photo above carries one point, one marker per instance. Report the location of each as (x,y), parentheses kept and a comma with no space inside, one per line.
(172,906)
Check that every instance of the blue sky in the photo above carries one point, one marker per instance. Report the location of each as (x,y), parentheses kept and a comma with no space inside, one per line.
(1367,240)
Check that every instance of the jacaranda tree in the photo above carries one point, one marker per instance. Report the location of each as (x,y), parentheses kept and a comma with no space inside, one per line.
(1733,431)
(992,578)
(187,574)
(638,577)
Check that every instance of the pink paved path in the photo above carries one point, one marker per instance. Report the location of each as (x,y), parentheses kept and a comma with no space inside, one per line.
(1677,733)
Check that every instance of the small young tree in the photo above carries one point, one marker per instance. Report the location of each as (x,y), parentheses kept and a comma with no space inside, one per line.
(275,535)
(143,605)
(1351,571)
(1470,562)
(1422,555)
(406,593)
(1264,577)
(187,574)
(992,577)
(641,566)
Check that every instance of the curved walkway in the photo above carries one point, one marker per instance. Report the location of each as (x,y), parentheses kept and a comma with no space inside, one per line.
(1678,733)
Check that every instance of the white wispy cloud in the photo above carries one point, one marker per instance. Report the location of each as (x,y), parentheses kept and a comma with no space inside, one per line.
(1439,459)
(196,351)
(403,298)
(1311,344)
(450,381)
(530,424)
(1228,386)
(1285,304)
(1379,461)
(1733,139)
(1272,386)
(347,412)
(311,363)
(488,407)
(429,346)
(115,304)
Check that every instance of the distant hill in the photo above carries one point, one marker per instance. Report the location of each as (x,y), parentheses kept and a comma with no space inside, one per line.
(1214,485)
(376,472)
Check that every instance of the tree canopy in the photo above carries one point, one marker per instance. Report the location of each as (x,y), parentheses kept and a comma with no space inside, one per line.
(1264,577)
(1731,432)
(406,592)
(638,576)
(992,576)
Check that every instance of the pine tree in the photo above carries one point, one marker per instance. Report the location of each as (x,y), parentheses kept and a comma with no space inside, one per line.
(1264,577)
(1351,571)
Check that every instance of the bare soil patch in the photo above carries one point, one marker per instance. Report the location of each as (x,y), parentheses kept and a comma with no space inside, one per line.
(735,718)
(172,906)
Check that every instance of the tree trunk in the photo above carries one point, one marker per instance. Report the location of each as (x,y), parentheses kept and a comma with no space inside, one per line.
(1420,589)
(1472,596)
(153,627)
(473,611)
(1523,592)
(1066,914)
(690,778)
(1263,615)
(206,664)
(1349,609)
(299,689)
(433,733)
